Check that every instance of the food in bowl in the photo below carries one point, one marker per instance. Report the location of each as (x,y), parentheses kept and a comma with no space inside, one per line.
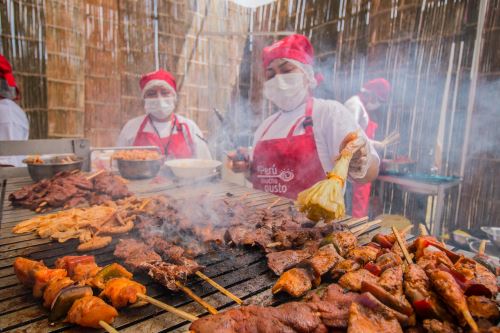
(193,168)
(63,159)
(137,155)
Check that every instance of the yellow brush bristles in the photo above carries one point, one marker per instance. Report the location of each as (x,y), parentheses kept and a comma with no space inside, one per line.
(325,199)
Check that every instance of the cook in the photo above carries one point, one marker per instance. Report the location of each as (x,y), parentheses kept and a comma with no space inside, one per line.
(373,95)
(297,145)
(175,135)
(14,124)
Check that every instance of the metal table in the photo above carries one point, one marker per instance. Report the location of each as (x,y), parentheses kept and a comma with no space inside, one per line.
(435,189)
(243,271)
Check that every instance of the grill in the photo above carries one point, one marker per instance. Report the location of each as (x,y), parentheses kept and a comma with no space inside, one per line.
(242,271)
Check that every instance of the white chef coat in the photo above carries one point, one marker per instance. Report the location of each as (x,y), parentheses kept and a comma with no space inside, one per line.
(14,125)
(129,132)
(358,111)
(331,123)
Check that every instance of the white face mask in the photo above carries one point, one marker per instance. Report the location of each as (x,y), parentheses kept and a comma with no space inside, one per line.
(286,91)
(159,107)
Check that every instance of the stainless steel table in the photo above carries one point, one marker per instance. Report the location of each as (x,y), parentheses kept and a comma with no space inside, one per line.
(437,190)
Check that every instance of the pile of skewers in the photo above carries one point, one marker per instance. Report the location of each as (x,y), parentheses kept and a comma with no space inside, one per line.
(378,288)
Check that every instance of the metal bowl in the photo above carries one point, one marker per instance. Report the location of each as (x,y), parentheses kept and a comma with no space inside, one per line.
(493,234)
(51,165)
(190,168)
(139,169)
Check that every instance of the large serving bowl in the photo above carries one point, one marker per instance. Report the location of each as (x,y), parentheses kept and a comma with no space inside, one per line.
(139,169)
(47,166)
(193,168)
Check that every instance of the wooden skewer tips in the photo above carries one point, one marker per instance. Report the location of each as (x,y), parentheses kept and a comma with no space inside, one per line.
(402,245)
(219,288)
(107,327)
(183,314)
(196,298)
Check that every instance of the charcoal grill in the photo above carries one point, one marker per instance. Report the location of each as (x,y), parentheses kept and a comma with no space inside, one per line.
(243,271)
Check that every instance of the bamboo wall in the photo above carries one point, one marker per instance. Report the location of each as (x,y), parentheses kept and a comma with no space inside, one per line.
(79,62)
(411,44)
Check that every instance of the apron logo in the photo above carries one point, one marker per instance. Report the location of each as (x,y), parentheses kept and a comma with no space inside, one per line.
(272,172)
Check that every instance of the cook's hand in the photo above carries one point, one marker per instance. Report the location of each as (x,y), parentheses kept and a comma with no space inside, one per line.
(238,160)
(360,158)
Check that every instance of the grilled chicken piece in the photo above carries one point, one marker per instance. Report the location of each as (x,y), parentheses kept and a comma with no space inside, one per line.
(449,290)
(323,260)
(480,275)
(387,260)
(433,259)
(89,310)
(53,288)
(296,282)
(42,278)
(122,291)
(344,266)
(344,241)
(25,270)
(363,254)
(436,326)
(365,320)
(389,290)
(83,272)
(353,280)
(483,307)
(418,290)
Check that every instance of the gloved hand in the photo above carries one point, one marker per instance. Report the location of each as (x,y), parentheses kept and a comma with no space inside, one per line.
(360,158)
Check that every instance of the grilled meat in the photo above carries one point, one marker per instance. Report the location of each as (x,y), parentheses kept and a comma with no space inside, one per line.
(483,307)
(122,291)
(477,273)
(296,282)
(89,310)
(167,274)
(446,286)
(344,266)
(344,241)
(42,278)
(279,262)
(54,286)
(352,280)
(365,320)
(436,326)
(323,260)
(363,254)
(25,270)
(135,253)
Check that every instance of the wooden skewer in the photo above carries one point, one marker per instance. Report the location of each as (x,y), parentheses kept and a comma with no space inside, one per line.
(107,327)
(95,174)
(196,298)
(354,221)
(220,288)
(183,314)
(422,229)
(402,245)
(275,244)
(275,202)
(144,204)
(362,228)
(482,248)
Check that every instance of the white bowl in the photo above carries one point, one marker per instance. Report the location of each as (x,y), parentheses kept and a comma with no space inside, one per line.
(193,168)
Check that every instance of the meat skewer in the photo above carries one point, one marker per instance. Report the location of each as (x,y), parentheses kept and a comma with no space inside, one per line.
(402,246)
(107,327)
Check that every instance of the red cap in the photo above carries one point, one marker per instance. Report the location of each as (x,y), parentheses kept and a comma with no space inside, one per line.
(160,77)
(380,87)
(297,47)
(6,72)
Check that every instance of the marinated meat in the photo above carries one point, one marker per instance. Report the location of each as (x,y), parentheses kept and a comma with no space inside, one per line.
(109,184)
(363,254)
(53,288)
(295,282)
(236,234)
(344,266)
(25,270)
(483,307)
(433,259)
(365,320)
(260,237)
(392,280)
(436,326)
(352,280)
(479,274)
(167,274)
(281,261)
(344,241)
(323,260)
(418,289)
(135,253)
(122,291)
(449,290)
(287,318)
(89,310)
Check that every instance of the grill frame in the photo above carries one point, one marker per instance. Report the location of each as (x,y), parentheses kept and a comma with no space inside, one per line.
(242,271)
